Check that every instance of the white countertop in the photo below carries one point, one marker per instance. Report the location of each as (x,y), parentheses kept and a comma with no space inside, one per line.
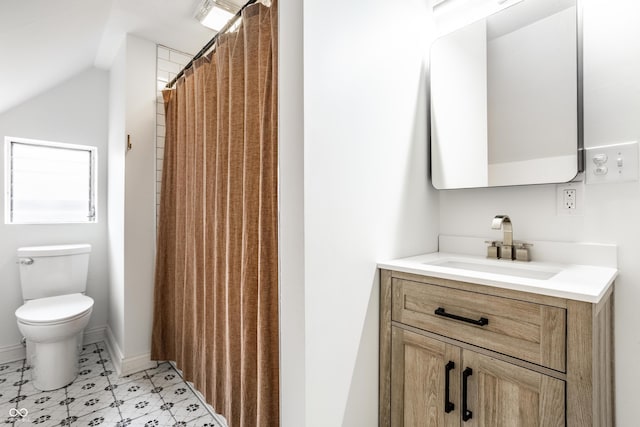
(586,283)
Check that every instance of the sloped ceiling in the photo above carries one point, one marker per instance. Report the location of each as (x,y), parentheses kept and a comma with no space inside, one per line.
(45,42)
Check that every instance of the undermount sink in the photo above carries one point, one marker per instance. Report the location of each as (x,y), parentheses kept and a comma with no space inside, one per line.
(579,271)
(506,268)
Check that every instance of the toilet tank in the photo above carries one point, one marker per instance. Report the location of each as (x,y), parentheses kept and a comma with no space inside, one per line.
(47,271)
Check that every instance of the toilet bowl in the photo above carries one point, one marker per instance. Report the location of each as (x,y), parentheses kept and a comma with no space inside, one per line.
(55,311)
(51,327)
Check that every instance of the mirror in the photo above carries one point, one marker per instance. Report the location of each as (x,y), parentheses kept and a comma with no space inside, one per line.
(506,101)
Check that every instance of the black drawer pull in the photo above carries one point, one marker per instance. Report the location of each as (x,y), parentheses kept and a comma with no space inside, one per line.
(448,405)
(466,413)
(480,322)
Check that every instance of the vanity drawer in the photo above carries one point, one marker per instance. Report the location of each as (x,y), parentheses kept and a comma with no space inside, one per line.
(528,331)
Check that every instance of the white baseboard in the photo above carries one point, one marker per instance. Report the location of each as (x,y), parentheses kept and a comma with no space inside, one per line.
(115,354)
(126,366)
(123,366)
(134,364)
(11,353)
(94,335)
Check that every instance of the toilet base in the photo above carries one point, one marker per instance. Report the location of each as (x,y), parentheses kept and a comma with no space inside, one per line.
(53,364)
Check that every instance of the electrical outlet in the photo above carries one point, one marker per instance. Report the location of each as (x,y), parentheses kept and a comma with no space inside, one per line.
(570,198)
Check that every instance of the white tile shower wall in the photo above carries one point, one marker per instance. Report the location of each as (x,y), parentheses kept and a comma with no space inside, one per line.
(169,64)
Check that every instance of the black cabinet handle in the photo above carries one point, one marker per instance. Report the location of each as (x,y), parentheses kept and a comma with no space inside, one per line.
(466,413)
(480,322)
(448,405)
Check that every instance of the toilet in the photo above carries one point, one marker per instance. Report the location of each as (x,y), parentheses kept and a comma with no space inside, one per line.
(55,310)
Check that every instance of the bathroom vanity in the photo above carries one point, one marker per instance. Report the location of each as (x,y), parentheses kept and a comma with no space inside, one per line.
(466,341)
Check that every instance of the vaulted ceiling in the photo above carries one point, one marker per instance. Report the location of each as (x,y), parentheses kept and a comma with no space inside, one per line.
(45,42)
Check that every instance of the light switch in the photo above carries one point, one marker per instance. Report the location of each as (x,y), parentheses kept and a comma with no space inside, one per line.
(612,163)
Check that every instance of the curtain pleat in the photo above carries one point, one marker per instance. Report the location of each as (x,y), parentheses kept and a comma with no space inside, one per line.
(216,290)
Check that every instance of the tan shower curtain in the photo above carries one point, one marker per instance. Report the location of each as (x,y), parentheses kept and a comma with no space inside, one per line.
(216,300)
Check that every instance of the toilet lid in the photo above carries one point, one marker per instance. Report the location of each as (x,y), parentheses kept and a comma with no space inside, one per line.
(54,309)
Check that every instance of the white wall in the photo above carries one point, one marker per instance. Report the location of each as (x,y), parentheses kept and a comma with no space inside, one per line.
(117,149)
(291,214)
(132,184)
(366,193)
(74,112)
(611,212)
(140,164)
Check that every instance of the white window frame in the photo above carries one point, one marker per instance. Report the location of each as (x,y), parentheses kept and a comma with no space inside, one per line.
(92,218)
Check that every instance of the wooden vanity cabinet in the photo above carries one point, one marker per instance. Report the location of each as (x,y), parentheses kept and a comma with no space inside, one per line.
(534,360)
(497,392)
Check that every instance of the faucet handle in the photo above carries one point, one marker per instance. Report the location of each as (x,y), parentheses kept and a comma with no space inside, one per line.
(493,248)
(521,250)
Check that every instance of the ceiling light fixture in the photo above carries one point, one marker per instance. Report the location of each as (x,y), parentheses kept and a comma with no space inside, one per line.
(215,14)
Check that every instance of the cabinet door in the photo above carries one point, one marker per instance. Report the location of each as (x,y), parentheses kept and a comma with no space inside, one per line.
(500,394)
(419,370)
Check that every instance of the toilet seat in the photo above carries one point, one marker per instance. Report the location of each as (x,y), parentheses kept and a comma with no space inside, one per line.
(54,310)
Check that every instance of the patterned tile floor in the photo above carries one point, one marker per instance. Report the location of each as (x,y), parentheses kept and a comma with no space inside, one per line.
(155,397)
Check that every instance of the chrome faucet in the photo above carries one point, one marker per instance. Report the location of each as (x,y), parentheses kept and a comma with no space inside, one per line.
(508,248)
(505,251)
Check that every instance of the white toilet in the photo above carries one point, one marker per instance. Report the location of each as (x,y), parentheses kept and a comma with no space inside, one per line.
(55,311)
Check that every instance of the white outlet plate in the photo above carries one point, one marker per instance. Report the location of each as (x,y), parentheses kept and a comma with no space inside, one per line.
(612,163)
(561,198)
(569,199)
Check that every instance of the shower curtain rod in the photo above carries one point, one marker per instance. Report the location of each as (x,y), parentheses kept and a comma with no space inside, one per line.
(209,44)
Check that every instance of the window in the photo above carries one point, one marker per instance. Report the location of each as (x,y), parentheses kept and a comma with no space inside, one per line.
(49,182)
